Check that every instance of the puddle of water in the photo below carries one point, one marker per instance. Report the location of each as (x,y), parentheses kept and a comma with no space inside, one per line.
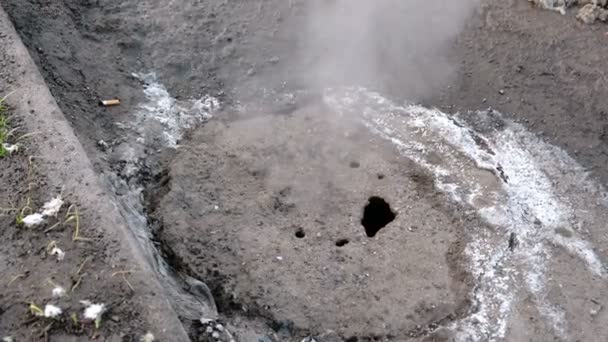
(517,183)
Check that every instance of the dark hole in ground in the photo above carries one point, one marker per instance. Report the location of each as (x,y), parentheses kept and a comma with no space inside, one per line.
(342,242)
(380,176)
(355,164)
(300,233)
(376,215)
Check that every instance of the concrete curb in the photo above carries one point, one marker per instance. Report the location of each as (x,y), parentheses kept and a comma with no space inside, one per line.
(64,161)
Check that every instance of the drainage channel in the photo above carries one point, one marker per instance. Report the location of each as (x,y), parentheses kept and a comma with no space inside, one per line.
(136,166)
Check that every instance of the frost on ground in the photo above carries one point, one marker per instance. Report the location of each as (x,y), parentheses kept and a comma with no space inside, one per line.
(532,192)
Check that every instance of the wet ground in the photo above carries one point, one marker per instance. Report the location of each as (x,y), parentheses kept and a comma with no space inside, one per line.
(498,228)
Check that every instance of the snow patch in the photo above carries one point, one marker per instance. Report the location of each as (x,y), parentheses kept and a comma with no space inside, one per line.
(93,311)
(52,311)
(52,207)
(33,220)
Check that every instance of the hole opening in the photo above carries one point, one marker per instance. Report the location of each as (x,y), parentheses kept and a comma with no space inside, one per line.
(300,234)
(376,215)
(342,242)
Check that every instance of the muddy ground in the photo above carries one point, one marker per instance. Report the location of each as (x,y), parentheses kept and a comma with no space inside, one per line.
(219,217)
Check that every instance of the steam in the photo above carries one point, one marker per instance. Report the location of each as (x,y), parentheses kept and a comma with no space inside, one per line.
(398,46)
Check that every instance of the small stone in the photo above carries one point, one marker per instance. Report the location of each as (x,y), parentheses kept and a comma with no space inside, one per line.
(501,92)
(274,60)
(115,318)
(215,335)
(103,145)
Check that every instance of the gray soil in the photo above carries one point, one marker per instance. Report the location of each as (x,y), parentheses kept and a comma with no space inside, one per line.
(278,223)
(550,69)
(284,254)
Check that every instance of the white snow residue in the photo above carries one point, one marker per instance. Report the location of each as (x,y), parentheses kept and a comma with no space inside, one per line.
(167,116)
(52,207)
(58,292)
(52,311)
(33,220)
(93,311)
(514,181)
(58,252)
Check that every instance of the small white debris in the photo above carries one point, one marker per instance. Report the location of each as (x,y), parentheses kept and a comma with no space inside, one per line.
(215,335)
(52,207)
(33,220)
(58,292)
(8,339)
(148,337)
(58,252)
(206,320)
(10,148)
(209,330)
(280,258)
(52,311)
(93,311)
(103,145)
(219,327)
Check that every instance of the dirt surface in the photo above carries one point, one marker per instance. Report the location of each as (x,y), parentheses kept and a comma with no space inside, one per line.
(80,252)
(259,207)
(273,226)
(30,272)
(550,71)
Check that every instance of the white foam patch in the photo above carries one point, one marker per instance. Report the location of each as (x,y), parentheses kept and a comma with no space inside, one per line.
(514,181)
(173,116)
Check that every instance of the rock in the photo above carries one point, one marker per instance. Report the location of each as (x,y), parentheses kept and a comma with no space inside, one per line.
(590,13)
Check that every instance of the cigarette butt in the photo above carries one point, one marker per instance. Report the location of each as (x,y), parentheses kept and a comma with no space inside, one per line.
(108,103)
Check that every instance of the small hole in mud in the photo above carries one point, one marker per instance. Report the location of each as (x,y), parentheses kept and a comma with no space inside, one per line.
(380,176)
(342,242)
(352,339)
(354,164)
(300,233)
(376,215)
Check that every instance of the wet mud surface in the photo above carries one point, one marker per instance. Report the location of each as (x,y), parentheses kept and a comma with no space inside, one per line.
(285,255)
